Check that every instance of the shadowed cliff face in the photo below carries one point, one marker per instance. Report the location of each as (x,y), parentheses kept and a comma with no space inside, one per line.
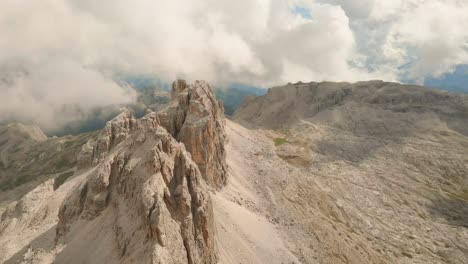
(193,117)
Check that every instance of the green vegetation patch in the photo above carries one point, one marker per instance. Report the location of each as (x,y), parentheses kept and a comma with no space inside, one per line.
(63,162)
(62,178)
(279,141)
(15,182)
(464,195)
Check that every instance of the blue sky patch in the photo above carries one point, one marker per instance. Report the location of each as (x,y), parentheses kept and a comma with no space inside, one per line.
(456,81)
(302,11)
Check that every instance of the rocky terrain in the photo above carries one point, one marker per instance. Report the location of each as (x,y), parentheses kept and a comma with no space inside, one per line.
(370,172)
(139,193)
(26,153)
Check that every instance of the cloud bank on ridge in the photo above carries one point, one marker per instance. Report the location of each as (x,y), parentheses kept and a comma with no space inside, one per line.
(59,58)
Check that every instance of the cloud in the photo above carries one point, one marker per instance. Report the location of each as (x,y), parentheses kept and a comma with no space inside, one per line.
(56,94)
(246,40)
(71,50)
(432,39)
(415,39)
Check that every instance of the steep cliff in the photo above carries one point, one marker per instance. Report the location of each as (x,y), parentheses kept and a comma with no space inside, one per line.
(146,197)
(195,118)
(140,193)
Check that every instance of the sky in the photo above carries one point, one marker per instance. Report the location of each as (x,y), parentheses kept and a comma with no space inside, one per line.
(60,59)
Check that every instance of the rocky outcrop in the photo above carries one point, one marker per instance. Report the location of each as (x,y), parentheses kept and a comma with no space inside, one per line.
(195,118)
(145,193)
(113,133)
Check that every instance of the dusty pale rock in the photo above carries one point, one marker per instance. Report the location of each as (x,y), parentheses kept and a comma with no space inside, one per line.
(113,133)
(195,118)
(369,172)
(153,197)
(145,192)
(338,173)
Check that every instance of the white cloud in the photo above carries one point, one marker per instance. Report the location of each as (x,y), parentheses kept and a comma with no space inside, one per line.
(56,94)
(432,38)
(415,38)
(259,42)
(215,40)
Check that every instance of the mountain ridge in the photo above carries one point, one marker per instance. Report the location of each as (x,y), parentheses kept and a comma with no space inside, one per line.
(341,173)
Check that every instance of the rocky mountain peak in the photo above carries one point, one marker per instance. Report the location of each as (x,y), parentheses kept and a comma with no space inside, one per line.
(194,117)
(150,178)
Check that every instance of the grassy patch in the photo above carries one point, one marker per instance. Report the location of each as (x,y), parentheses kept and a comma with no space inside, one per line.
(15,182)
(62,178)
(464,195)
(62,163)
(279,141)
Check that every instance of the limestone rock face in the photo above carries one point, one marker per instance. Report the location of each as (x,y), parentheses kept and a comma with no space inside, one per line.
(195,118)
(114,133)
(145,200)
(144,197)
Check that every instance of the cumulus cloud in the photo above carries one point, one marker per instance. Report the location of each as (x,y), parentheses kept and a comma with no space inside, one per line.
(416,39)
(56,94)
(432,39)
(70,51)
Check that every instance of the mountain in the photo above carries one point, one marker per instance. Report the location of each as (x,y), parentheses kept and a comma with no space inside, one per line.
(378,172)
(139,193)
(26,152)
(368,172)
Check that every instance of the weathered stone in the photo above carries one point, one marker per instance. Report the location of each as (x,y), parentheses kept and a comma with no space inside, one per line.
(150,190)
(195,118)
(151,184)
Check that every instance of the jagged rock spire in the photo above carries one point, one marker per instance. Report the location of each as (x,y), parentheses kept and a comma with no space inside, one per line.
(148,179)
(196,118)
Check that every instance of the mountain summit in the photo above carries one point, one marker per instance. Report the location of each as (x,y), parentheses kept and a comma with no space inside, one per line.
(140,191)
